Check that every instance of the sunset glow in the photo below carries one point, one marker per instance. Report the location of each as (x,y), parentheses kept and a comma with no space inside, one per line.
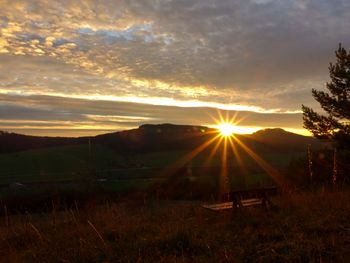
(229,124)
(134,62)
(226,129)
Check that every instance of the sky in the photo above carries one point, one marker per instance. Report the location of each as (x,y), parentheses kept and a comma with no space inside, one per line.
(73,68)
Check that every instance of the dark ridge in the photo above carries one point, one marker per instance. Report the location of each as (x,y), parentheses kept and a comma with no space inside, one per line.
(279,138)
(157,137)
(13,142)
(168,127)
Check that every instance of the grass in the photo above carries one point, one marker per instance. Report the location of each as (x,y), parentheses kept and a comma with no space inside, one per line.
(306,227)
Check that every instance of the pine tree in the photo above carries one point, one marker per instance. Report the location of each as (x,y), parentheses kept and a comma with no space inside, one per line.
(334,126)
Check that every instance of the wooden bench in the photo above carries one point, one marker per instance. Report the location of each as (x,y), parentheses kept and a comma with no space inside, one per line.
(252,197)
(240,198)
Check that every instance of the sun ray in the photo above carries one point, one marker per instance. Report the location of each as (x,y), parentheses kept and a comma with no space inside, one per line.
(213,151)
(275,175)
(173,168)
(229,124)
(237,156)
(224,179)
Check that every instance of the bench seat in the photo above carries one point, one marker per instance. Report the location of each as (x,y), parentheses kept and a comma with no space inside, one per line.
(219,206)
(251,201)
(244,198)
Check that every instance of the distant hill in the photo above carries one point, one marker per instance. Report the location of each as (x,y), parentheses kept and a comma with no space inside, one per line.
(150,151)
(13,142)
(279,138)
(157,138)
(149,138)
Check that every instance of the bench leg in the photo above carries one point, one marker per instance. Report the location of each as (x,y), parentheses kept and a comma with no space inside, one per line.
(236,204)
(265,203)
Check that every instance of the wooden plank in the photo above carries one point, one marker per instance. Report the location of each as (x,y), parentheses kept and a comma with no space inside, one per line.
(229,205)
(219,206)
(244,198)
(252,201)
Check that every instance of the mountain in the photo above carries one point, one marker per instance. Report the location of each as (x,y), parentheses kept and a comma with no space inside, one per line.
(149,138)
(157,138)
(13,142)
(279,138)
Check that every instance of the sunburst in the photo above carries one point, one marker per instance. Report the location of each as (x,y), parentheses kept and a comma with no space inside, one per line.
(226,129)
(230,147)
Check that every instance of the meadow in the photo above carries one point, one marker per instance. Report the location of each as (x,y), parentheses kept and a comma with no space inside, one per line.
(303,227)
(78,168)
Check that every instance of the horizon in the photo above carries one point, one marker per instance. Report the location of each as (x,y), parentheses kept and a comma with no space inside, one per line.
(100,66)
(236,130)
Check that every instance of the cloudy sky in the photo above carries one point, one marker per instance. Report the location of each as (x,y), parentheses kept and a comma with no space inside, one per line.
(86,67)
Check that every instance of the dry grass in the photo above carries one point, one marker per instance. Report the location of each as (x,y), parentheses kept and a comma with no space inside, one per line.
(306,227)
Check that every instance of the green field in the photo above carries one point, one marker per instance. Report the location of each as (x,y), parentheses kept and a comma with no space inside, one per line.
(55,163)
(73,167)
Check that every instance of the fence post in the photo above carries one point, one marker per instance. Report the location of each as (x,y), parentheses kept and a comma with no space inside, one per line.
(335,169)
(309,155)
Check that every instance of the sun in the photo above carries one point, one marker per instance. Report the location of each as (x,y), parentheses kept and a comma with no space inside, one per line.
(226,129)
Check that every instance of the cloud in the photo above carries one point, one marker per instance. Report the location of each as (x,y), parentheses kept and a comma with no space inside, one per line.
(44,112)
(266,55)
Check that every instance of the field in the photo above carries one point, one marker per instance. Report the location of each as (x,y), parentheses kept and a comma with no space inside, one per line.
(93,204)
(305,227)
(74,168)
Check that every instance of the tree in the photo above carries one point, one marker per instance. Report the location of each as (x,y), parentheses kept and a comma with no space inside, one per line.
(334,126)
